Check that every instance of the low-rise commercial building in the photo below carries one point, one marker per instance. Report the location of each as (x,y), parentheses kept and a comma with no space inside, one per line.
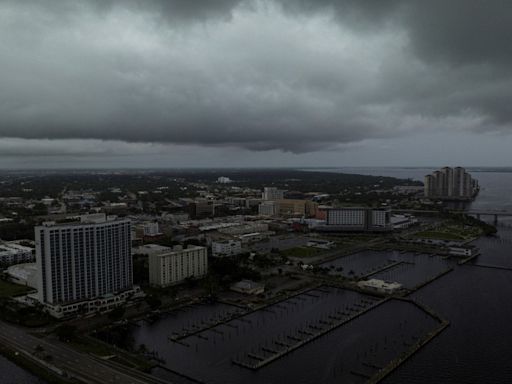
(226,248)
(241,229)
(151,229)
(403,221)
(103,303)
(321,244)
(288,208)
(248,287)
(254,237)
(173,267)
(380,285)
(13,253)
(296,208)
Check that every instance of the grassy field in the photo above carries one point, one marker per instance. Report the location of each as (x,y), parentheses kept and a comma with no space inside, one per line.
(450,231)
(439,235)
(8,289)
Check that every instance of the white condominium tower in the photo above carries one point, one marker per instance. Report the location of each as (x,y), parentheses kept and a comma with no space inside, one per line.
(83,260)
(450,183)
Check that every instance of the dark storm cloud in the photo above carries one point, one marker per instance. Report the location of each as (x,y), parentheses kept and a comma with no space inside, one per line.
(293,75)
(461,31)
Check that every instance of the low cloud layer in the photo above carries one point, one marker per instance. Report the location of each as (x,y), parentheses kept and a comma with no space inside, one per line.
(288,75)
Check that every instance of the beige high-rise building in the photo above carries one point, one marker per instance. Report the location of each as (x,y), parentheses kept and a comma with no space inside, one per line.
(174,265)
(450,183)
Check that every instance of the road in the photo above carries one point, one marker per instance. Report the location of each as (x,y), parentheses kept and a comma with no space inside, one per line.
(76,364)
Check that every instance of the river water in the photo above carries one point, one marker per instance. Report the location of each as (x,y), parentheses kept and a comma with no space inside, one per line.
(476,347)
(10,373)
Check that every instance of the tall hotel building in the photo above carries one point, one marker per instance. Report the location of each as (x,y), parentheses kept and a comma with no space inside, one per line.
(450,183)
(358,219)
(84,266)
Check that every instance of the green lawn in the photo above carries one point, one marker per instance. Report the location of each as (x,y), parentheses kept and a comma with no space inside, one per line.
(439,235)
(8,289)
(450,232)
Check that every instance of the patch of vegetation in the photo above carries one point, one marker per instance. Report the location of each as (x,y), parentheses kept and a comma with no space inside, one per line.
(453,230)
(117,314)
(30,366)
(439,235)
(8,289)
(226,271)
(16,313)
(66,332)
(486,228)
(153,301)
(94,346)
(17,231)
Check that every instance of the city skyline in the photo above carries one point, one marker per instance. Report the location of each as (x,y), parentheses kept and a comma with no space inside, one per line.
(253,83)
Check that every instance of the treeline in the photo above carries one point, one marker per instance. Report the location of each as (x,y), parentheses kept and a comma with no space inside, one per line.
(17,231)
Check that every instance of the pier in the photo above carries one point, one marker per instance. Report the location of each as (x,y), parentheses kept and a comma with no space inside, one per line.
(393,263)
(415,347)
(196,330)
(309,332)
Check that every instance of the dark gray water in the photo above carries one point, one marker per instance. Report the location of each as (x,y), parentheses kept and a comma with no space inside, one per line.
(346,354)
(10,373)
(476,348)
(408,269)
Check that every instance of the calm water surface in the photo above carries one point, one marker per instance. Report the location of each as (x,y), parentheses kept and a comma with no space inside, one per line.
(477,347)
(10,373)
(347,354)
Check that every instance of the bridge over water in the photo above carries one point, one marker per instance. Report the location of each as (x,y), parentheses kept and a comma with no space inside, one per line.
(472,212)
(495,214)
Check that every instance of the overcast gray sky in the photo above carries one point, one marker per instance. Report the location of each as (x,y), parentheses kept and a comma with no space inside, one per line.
(142,83)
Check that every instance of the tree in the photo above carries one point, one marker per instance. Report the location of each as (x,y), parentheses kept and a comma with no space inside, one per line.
(66,332)
(117,314)
(211,284)
(153,302)
(140,269)
(142,349)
